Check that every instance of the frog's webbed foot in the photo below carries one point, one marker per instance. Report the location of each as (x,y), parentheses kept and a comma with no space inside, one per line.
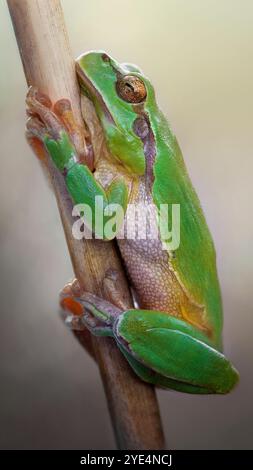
(46,120)
(73,303)
(71,313)
(81,310)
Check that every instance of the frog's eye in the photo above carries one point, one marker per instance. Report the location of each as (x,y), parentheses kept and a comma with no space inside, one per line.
(131,89)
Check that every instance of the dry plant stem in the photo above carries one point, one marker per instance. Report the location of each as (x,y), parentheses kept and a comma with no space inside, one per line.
(45,52)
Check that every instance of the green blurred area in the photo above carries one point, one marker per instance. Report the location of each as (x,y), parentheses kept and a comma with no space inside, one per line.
(199,56)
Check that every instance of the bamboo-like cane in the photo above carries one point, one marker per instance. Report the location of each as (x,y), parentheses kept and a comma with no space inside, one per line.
(45,52)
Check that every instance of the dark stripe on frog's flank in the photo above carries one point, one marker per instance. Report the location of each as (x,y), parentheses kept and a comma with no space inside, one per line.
(143,130)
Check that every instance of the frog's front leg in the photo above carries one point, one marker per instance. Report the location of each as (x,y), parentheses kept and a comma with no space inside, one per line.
(160,348)
(52,130)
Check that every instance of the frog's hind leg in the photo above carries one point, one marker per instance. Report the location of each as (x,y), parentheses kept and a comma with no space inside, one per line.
(160,348)
(149,375)
(174,350)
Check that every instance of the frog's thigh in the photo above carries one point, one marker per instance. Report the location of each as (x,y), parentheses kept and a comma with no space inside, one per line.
(149,375)
(174,349)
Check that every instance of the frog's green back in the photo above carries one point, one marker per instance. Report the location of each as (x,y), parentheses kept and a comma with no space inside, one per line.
(195,259)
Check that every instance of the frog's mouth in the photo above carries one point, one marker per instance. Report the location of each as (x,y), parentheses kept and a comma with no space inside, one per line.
(92,92)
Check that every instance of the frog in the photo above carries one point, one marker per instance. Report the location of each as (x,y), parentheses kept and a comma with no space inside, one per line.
(172,338)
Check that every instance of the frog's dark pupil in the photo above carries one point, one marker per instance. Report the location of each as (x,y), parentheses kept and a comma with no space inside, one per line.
(129,89)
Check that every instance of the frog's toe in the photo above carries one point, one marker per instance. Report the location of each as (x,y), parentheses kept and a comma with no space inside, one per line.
(71,309)
(35,128)
(35,96)
(35,132)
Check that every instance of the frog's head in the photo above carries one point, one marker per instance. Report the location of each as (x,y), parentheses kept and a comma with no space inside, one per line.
(123,99)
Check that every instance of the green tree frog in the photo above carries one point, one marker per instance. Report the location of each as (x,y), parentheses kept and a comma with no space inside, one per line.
(173,337)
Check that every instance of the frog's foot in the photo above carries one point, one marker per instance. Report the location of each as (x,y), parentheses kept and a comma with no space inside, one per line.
(72,299)
(71,312)
(82,310)
(47,121)
(71,309)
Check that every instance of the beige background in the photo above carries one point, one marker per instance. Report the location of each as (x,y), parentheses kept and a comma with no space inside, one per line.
(199,57)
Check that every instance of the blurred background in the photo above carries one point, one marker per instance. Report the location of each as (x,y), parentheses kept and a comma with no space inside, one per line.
(199,56)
